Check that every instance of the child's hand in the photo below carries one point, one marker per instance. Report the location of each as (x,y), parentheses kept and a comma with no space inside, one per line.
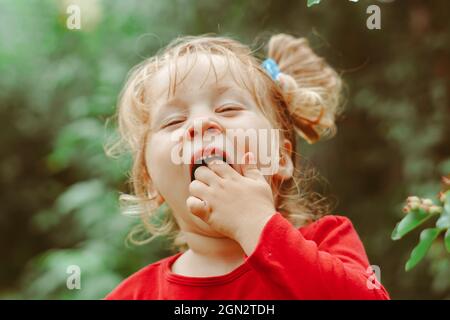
(238,206)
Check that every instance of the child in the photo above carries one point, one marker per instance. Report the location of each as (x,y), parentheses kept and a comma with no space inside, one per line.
(248,235)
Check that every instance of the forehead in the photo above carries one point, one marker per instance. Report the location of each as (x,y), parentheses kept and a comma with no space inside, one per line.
(194,72)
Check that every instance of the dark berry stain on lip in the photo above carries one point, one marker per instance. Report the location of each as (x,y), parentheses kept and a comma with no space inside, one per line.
(204,162)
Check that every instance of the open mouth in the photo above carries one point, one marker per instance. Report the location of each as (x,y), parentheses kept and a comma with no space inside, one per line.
(204,156)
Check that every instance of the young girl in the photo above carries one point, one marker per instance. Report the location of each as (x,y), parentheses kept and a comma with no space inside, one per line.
(247,235)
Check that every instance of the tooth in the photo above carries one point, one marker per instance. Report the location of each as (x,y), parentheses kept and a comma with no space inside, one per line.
(211,158)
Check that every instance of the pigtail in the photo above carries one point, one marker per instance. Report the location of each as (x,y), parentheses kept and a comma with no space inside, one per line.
(311,88)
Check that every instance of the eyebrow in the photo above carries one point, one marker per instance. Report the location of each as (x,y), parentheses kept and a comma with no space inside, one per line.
(174,103)
(222,89)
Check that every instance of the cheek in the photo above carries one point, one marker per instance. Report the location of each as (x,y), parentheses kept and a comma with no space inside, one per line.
(158,159)
(262,128)
(264,144)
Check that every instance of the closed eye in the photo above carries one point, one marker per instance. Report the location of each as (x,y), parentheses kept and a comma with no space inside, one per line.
(230,108)
(172,123)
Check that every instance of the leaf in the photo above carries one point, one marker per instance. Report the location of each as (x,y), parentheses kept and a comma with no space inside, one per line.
(427,237)
(444,221)
(447,202)
(447,240)
(80,194)
(75,138)
(412,220)
(312,2)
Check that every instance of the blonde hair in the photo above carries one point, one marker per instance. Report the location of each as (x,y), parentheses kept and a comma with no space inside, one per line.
(304,102)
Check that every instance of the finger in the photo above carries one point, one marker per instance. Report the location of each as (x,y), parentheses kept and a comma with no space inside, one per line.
(198,189)
(221,168)
(198,207)
(249,167)
(205,175)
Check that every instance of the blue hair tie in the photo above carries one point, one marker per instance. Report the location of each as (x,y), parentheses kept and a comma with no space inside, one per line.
(272,68)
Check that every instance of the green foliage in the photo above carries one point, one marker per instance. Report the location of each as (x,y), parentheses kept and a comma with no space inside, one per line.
(447,240)
(412,220)
(416,216)
(427,237)
(313,2)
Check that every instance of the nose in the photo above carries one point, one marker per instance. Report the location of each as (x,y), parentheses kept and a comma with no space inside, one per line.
(201,126)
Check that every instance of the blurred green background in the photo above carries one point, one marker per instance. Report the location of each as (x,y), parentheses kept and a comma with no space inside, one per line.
(58,87)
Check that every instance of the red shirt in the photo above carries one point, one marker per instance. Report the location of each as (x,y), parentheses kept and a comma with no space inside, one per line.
(323,260)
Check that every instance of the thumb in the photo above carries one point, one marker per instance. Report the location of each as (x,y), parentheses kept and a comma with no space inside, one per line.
(249,167)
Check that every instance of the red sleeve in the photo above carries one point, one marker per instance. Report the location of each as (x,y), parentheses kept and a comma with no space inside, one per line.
(325,260)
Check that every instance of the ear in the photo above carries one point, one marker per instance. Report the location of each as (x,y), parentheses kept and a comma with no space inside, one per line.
(286,166)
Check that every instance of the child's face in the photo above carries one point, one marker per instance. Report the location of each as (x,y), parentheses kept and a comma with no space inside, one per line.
(199,102)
